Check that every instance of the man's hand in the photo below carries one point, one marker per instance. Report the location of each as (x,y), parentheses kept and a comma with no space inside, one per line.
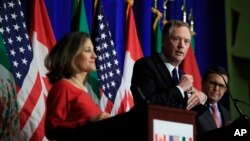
(186,82)
(195,97)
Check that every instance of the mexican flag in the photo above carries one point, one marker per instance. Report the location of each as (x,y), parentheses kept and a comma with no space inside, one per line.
(8,98)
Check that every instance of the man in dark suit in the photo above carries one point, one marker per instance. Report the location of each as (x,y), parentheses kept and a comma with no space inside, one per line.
(158,78)
(215,115)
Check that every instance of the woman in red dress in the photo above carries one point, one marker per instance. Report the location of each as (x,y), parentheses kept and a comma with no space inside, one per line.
(69,105)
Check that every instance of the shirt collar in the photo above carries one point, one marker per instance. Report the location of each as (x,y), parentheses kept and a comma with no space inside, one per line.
(169,66)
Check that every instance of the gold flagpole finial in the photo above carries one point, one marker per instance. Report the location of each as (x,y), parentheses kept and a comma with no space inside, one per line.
(158,16)
(130,2)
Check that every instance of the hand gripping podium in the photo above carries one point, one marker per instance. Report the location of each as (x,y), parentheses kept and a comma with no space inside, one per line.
(143,123)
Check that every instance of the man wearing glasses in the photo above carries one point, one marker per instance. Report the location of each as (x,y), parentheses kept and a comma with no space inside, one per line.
(214,85)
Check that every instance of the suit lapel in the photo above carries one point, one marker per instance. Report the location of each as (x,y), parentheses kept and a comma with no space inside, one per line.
(224,117)
(162,69)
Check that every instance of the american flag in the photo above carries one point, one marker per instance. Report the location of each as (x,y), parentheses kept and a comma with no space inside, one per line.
(174,138)
(16,39)
(27,64)
(108,70)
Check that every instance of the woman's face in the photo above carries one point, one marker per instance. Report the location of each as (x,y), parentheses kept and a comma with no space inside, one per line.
(85,61)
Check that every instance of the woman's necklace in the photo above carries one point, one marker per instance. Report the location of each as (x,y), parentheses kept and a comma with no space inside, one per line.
(78,83)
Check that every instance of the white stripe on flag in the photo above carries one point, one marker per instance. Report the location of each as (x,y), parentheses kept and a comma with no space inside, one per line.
(34,119)
(27,84)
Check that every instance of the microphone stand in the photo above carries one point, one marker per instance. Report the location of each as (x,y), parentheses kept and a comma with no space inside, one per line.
(235,101)
(142,95)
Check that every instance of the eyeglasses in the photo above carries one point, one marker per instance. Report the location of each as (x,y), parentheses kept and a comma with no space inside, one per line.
(215,84)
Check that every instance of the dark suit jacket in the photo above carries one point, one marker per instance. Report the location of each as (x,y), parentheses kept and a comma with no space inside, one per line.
(205,121)
(152,77)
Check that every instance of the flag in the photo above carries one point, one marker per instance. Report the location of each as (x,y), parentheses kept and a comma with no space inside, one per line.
(189,65)
(18,48)
(42,38)
(157,31)
(193,43)
(158,38)
(9,118)
(132,53)
(111,84)
(173,138)
(79,23)
(27,63)
(78,17)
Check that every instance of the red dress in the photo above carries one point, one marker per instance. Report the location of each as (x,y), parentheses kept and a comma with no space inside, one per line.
(68,107)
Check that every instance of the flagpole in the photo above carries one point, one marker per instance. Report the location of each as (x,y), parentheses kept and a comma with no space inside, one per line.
(183,9)
(165,9)
(95,5)
(164,21)
(155,4)
(191,19)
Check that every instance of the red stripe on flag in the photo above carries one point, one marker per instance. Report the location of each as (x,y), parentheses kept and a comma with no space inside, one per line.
(130,99)
(126,103)
(123,104)
(109,106)
(36,136)
(30,101)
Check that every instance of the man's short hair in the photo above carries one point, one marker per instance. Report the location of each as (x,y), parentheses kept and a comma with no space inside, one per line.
(216,70)
(173,23)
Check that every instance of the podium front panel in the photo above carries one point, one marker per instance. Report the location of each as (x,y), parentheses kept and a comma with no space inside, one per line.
(166,124)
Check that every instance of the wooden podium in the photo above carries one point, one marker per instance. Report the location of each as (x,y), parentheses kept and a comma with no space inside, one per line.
(143,122)
(171,115)
(140,124)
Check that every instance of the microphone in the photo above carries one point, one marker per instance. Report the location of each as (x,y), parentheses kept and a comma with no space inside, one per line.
(142,95)
(235,101)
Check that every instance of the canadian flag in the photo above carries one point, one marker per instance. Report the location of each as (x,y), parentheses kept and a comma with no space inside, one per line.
(133,52)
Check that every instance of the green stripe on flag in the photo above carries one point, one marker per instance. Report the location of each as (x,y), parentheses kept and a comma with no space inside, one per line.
(4,58)
(193,43)
(79,23)
(78,17)
(158,38)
